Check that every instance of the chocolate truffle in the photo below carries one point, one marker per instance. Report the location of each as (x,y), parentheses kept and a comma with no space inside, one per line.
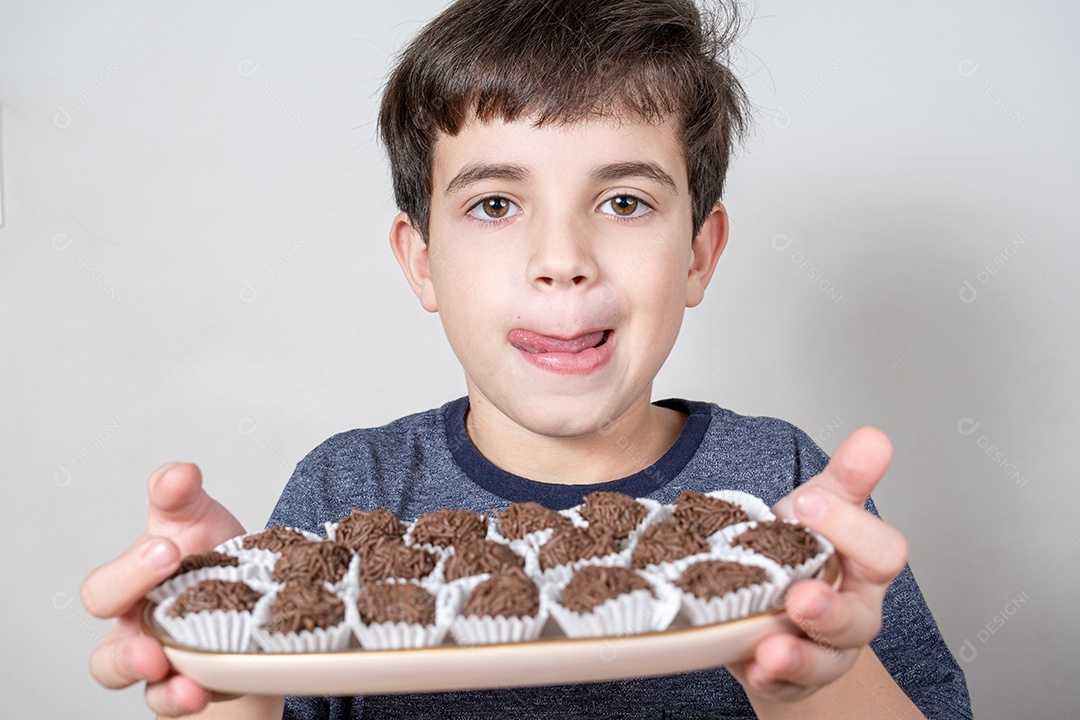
(715,578)
(789,544)
(522,518)
(364,528)
(396,602)
(475,557)
(215,595)
(299,607)
(571,544)
(210,558)
(594,585)
(312,562)
(664,542)
(393,559)
(445,528)
(617,511)
(704,515)
(274,538)
(510,594)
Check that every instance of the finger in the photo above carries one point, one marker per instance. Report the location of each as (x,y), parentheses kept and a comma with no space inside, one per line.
(853,471)
(832,619)
(871,550)
(787,667)
(176,494)
(120,662)
(176,696)
(114,587)
(125,656)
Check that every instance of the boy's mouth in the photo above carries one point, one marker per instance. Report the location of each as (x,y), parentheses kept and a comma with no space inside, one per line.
(582,354)
(536,343)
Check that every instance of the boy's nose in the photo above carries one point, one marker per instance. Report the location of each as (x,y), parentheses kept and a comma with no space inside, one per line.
(561,255)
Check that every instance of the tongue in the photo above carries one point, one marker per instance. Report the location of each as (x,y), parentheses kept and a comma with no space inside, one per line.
(532,342)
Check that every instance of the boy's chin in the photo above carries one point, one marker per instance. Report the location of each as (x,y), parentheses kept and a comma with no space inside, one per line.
(565,418)
(564,427)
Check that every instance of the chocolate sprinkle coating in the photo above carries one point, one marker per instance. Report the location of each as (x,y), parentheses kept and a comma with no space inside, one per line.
(571,544)
(615,510)
(716,578)
(364,528)
(396,602)
(522,518)
(444,528)
(789,544)
(664,542)
(511,594)
(704,515)
(215,595)
(475,557)
(312,562)
(392,559)
(274,538)
(594,585)
(304,607)
(210,558)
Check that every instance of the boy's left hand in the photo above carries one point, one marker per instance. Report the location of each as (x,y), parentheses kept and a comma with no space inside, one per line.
(838,623)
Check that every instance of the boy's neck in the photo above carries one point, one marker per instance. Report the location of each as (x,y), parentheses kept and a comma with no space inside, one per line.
(635,441)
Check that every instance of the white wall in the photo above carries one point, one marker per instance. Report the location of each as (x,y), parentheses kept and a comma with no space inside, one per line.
(193,265)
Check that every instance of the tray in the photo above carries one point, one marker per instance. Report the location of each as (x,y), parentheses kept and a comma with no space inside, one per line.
(552,660)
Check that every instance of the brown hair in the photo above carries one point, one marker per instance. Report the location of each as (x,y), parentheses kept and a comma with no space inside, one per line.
(564,61)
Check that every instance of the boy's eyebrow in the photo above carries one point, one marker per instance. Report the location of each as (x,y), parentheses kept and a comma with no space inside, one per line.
(507,171)
(652,171)
(475,173)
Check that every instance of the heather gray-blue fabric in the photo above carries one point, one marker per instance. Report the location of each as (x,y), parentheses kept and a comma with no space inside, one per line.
(426,462)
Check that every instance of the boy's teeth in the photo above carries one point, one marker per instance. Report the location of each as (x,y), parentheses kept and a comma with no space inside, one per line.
(532,342)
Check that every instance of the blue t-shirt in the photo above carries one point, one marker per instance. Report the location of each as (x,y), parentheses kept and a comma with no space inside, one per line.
(426,462)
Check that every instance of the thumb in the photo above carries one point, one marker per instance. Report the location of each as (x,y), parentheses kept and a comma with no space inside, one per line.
(180,508)
(852,473)
(176,496)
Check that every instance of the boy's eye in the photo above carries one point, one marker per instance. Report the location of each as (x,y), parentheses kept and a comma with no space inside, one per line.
(493,208)
(624,206)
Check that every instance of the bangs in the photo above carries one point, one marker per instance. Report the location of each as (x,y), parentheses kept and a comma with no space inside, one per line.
(560,62)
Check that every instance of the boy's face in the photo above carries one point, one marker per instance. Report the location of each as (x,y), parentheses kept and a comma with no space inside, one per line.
(560,261)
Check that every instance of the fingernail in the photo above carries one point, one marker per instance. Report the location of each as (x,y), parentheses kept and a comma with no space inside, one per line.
(164,470)
(810,505)
(159,555)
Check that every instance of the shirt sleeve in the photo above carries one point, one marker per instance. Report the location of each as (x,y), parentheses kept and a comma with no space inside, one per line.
(909,645)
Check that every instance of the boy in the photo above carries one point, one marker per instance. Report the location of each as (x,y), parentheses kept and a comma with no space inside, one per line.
(559,166)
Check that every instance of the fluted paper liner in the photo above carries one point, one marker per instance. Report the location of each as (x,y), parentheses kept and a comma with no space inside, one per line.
(487,630)
(740,603)
(653,509)
(403,636)
(724,542)
(244,572)
(633,613)
(235,546)
(328,639)
(217,630)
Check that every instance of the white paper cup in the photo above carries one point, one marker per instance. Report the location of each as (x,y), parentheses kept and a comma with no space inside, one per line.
(217,630)
(487,630)
(633,613)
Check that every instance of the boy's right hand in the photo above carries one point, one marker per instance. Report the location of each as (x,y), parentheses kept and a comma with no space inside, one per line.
(182,520)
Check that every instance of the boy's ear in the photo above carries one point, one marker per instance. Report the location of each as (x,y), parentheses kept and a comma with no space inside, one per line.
(413,255)
(708,245)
